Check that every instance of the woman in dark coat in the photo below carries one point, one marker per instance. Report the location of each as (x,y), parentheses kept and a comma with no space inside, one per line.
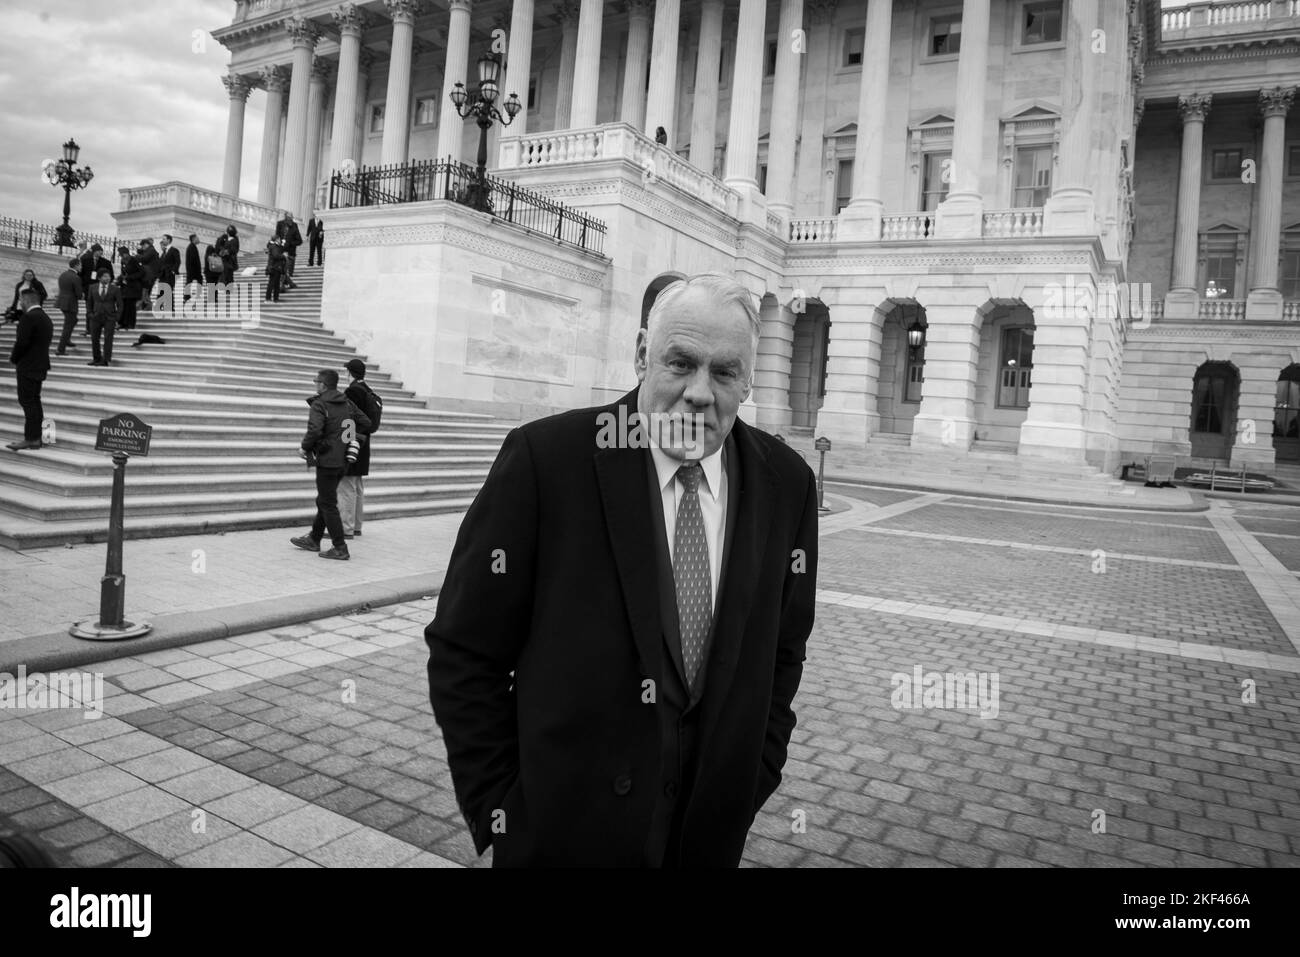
(131,282)
(230,254)
(29,280)
(211,275)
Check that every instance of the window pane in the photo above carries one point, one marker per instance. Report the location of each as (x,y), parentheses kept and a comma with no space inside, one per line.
(945,35)
(377,118)
(1220,275)
(426,111)
(1042,23)
(1033,176)
(853,41)
(1225,164)
(1293,161)
(933,188)
(532,93)
(770,66)
(1290,278)
(844,185)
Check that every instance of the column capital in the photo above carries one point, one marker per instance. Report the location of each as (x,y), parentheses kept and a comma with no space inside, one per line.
(642,9)
(1194,107)
(405,11)
(1275,102)
(237,86)
(274,78)
(454,5)
(350,19)
(820,11)
(302,31)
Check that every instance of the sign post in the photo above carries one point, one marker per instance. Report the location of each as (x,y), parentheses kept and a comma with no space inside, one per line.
(124,435)
(822,445)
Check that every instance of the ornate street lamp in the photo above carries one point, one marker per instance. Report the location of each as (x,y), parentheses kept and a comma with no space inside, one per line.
(480,105)
(64,173)
(915,337)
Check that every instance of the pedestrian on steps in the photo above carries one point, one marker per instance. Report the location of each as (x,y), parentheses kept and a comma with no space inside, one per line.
(274,269)
(352,488)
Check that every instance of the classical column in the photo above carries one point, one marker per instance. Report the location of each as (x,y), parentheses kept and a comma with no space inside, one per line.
(961,215)
(1071,209)
(1265,301)
(638,53)
(304,35)
(275,80)
(395,147)
(567,11)
(519,58)
(861,219)
(783,129)
(704,107)
(351,21)
(772,365)
(238,88)
(1183,300)
(946,417)
(661,101)
(451,126)
(586,68)
(809,180)
(320,73)
(746,99)
(361,123)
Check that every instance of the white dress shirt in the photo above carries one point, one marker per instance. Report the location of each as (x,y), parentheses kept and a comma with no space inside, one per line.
(713,505)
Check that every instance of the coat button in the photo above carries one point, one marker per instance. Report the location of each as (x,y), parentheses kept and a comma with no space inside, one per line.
(622,784)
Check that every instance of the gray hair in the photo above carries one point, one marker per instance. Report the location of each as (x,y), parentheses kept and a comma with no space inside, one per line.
(725,291)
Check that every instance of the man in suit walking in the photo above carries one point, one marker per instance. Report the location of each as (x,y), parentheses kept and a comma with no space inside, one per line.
(315,242)
(31,356)
(70,294)
(193,266)
(288,230)
(171,263)
(105,309)
(622,627)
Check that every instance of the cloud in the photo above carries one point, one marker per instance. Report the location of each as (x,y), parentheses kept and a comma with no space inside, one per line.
(139,88)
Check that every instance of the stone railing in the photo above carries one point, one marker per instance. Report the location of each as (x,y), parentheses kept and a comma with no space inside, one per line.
(1013,223)
(1211,17)
(907,226)
(208,201)
(1291,309)
(616,141)
(252,9)
(812,230)
(1222,309)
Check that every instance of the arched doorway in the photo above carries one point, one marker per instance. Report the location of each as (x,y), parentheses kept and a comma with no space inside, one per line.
(1286,415)
(1215,392)
(652,291)
(812,337)
(1004,379)
(902,367)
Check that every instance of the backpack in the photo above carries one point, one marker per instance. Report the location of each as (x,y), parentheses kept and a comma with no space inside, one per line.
(376,409)
(215,262)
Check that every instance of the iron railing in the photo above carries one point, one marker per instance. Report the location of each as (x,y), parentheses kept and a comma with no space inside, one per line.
(424,180)
(25,234)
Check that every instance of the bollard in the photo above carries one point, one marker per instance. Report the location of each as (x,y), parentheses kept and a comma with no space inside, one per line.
(111,624)
(822,445)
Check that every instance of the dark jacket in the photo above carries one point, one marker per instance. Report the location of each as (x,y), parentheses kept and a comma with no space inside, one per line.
(101,264)
(132,278)
(150,264)
(230,253)
(539,677)
(107,307)
(36,284)
(274,257)
(31,351)
(291,235)
(70,290)
(315,228)
(88,264)
(323,442)
(361,396)
(193,264)
(171,264)
(210,275)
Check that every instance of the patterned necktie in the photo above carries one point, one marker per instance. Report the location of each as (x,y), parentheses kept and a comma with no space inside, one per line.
(691,572)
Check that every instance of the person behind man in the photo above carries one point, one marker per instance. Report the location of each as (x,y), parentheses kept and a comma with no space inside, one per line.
(230,255)
(171,263)
(70,294)
(86,263)
(274,268)
(214,261)
(151,265)
(31,357)
(131,283)
(315,242)
(334,427)
(27,281)
(352,487)
(621,630)
(193,267)
(105,310)
(288,230)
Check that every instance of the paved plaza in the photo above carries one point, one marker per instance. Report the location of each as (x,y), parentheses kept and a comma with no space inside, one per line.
(1146,711)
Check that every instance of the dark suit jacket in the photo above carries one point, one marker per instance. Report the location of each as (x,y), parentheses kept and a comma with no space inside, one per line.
(570,748)
(171,264)
(70,290)
(31,351)
(151,264)
(193,264)
(132,278)
(108,307)
(313,227)
(87,266)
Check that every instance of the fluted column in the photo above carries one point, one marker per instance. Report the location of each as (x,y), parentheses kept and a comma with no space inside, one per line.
(961,215)
(1071,209)
(1265,301)
(361,122)
(784,130)
(395,147)
(304,35)
(810,179)
(351,22)
(638,53)
(746,99)
(861,219)
(320,73)
(275,80)
(704,107)
(661,101)
(519,61)
(238,88)
(568,14)
(1183,299)
(586,68)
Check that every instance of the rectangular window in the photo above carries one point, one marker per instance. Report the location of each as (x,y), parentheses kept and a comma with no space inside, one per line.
(1033,176)
(1286,409)
(1042,23)
(1220,273)
(762,179)
(769,63)
(426,110)
(945,34)
(376,118)
(934,181)
(1293,160)
(1225,164)
(532,92)
(1015,368)
(1289,279)
(844,184)
(853,43)
(915,376)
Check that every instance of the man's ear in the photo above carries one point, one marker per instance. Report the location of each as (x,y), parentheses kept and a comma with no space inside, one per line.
(640,361)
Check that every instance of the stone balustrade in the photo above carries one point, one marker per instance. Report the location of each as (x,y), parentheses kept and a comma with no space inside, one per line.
(1013,223)
(208,201)
(1222,309)
(812,230)
(1228,16)
(1291,309)
(913,226)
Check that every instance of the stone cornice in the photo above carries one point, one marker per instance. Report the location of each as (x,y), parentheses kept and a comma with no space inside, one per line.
(1195,332)
(857,266)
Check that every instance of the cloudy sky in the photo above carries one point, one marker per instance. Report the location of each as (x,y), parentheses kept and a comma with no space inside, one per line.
(134,84)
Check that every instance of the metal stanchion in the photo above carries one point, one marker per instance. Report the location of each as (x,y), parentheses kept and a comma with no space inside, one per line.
(111,624)
(822,445)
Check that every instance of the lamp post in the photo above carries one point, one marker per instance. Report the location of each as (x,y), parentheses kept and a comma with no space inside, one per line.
(480,105)
(915,338)
(65,173)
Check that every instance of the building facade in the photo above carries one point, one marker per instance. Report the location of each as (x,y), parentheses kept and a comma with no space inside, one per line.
(1068,228)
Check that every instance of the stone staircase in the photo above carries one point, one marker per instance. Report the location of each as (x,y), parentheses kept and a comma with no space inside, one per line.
(227,409)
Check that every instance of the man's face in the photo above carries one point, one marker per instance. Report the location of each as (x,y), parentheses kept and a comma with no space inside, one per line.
(320,386)
(699,365)
(166,243)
